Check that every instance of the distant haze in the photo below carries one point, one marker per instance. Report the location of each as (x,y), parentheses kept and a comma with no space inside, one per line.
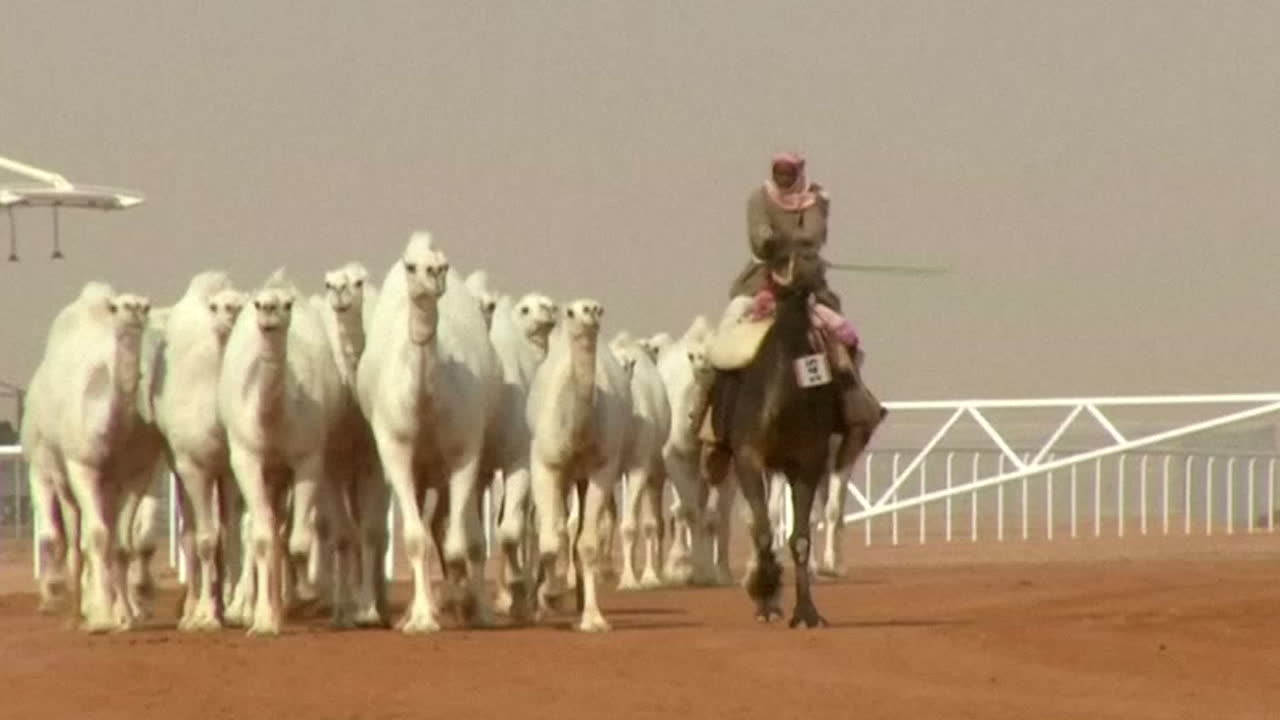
(1103,177)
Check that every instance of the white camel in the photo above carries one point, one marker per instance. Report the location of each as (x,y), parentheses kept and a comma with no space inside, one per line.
(655,344)
(519,333)
(429,383)
(356,493)
(649,428)
(278,392)
(81,408)
(186,407)
(699,513)
(478,283)
(578,413)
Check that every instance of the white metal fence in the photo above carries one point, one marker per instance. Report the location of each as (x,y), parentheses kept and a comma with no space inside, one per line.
(942,490)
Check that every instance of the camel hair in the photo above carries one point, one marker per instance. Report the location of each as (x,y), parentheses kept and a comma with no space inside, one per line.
(81,408)
(278,396)
(487,298)
(429,383)
(578,411)
(185,393)
(649,427)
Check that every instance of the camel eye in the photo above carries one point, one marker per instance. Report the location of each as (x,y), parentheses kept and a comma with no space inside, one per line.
(411,267)
(359,283)
(213,307)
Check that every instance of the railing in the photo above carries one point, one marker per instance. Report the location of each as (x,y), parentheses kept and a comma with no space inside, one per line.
(951,491)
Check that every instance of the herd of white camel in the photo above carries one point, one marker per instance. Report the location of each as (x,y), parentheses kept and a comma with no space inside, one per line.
(291,421)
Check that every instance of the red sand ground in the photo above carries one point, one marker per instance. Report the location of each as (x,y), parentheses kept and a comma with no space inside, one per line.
(1179,627)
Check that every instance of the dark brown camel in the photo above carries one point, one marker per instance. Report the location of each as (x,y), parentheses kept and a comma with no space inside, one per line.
(766,420)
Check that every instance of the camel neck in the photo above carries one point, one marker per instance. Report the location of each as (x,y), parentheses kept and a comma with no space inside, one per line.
(424,315)
(582,381)
(126,372)
(272,371)
(350,345)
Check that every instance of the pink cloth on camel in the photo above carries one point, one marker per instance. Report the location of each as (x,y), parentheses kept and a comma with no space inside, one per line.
(763,305)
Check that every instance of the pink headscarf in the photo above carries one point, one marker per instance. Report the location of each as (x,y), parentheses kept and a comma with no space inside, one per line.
(800,196)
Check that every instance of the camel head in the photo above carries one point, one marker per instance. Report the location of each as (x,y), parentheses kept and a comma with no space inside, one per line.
(273,307)
(797,272)
(128,314)
(535,314)
(627,353)
(344,288)
(582,319)
(426,270)
(487,298)
(654,345)
(225,307)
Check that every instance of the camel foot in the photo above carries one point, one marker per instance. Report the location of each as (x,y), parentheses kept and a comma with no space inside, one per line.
(807,615)
(368,616)
(679,570)
(263,628)
(831,572)
(768,612)
(344,618)
(520,609)
(593,622)
(51,605)
(650,580)
(502,601)
(628,581)
(418,619)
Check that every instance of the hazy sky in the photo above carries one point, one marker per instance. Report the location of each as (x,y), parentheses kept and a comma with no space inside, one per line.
(1103,177)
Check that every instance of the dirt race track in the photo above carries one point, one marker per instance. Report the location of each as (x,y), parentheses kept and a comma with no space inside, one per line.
(1184,627)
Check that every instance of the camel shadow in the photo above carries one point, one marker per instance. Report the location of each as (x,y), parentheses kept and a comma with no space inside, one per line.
(880,624)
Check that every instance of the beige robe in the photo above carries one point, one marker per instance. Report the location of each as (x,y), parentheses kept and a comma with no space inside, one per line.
(772,230)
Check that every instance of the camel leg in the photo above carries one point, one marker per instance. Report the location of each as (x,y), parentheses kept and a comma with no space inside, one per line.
(200,525)
(803,488)
(588,548)
(263,510)
(629,529)
(833,526)
(512,530)
(548,497)
(75,569)
(126,507)
(236,534)
(50,538)
(398,465)
(373,497)
(143,532)
(303,559)
(336,505)
(606,571)
(683,473)
(464,557)
(650,514)
(86,484)
(717,526)
(764,582)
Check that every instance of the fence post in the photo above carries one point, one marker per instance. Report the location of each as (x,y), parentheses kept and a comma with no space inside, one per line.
(866,524)
(1000,500)
(1186,491)
(1208,496)
(924,488)
(950,457)
(1074,499)
(1231,495)
(1142,493)
(1120,495)
(1253,462)
(1164,481)
(894,498)
(1048,494)
(1026,459)
(973,498)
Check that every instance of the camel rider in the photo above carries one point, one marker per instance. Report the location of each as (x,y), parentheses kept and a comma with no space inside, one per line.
(789,213)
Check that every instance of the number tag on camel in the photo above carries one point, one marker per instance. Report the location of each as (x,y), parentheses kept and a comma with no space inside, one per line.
(813,370)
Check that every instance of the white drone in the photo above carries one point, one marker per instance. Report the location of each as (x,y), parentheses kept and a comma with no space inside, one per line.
(56,192)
